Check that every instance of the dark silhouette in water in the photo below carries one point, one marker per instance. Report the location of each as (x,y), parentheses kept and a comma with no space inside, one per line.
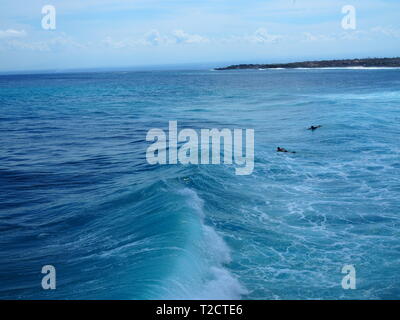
(314,128)
(279,149)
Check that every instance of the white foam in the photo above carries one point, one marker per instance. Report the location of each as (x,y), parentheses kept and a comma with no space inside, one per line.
(350,68)
(208,277)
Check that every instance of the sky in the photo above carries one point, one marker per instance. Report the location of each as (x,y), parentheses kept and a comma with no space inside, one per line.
(129,33)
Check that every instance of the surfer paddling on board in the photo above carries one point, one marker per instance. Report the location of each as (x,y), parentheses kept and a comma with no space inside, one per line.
(312,128)
(279,149)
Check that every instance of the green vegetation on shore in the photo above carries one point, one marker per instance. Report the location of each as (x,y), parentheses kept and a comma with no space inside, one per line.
(369,62)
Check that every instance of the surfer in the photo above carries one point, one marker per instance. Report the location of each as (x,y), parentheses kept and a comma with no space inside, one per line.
(314,128)
(279,149)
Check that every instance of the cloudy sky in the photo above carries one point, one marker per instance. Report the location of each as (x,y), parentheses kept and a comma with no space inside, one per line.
(117,33)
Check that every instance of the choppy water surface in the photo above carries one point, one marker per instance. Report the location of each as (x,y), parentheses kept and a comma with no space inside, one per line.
(76,191)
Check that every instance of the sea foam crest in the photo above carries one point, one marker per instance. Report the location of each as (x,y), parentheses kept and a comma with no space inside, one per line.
(211,279)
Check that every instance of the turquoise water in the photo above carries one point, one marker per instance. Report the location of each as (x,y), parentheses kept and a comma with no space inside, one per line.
(77,192)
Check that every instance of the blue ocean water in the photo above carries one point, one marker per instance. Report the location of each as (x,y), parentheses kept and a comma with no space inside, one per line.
(76,191)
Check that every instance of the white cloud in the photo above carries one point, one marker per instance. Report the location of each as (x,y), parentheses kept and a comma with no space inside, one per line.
(154,38)
(26,45)
(261,36)
(308,36)
(11,33)
(56,42)
(386,31)
(150,38)
(109,42)
(183,37)
(64,40)
(371,34)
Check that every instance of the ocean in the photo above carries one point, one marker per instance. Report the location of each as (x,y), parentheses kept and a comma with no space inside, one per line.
(77,193)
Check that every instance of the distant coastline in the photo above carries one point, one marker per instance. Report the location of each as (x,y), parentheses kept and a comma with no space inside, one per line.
(347,63)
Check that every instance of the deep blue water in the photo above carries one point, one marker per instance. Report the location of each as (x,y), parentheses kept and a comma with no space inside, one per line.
(76,191)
